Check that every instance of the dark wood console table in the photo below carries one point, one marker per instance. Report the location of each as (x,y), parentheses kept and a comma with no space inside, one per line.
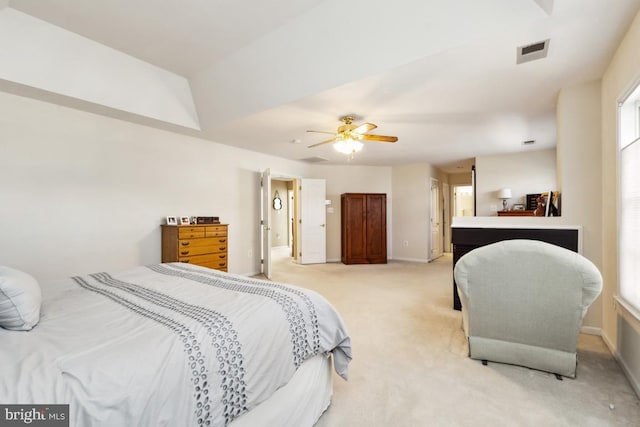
(516,213)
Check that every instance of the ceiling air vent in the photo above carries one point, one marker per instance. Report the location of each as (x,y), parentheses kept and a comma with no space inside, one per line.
(314,159)
(532,52)
(529,142)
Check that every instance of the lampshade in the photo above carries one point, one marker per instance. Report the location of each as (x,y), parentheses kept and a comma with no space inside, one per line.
(348,146)
(504,193)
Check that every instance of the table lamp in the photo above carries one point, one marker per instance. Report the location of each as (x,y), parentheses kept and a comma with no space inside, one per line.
(504,194)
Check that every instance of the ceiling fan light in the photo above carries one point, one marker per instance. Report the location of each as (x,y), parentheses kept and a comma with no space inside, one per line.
(348,146)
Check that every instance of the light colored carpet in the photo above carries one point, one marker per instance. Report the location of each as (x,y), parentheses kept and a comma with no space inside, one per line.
(410,365)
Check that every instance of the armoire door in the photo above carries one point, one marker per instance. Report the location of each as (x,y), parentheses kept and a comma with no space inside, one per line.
(376,228)
(354,247)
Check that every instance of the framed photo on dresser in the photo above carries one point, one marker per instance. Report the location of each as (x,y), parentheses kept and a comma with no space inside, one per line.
(184,220)
(172,220)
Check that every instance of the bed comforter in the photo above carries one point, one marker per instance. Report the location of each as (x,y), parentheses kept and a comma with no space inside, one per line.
(166,344)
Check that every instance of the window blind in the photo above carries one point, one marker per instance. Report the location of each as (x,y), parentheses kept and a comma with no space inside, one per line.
(629,254)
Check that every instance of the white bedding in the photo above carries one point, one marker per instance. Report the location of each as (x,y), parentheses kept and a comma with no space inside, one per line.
(168,344)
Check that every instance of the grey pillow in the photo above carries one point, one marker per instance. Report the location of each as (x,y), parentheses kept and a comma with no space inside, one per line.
(20,300)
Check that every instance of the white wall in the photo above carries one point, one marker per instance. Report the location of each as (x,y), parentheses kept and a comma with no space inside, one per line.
(80,68)
(622,74)
(412,210)
(460,178)
(527,172)
(577,166)
(580,171)
(83,193)
(411,206)
(352,179)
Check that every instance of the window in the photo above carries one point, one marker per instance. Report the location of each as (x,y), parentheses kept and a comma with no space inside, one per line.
(629,234)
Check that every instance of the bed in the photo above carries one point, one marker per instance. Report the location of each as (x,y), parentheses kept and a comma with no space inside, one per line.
(176,344)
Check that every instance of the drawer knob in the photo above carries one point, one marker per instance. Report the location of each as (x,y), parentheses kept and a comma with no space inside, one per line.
(184,253)
(185,243)
(186,261)
(222,240)
(222,248)
(223,256)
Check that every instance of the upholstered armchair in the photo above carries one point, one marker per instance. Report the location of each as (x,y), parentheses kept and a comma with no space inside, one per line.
(523,302)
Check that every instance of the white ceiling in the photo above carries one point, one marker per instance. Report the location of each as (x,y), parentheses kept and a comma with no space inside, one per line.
(439,74)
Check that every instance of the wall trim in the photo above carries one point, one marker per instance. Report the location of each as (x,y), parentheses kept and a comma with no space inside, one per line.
(608,343)
(627,312)
(635,384)
(591,330)
(423,261)
(256,273)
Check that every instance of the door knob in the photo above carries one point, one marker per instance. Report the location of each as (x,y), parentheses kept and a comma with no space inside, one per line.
(321,225)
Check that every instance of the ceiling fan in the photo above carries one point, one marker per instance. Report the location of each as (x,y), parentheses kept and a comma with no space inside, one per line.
(347,139)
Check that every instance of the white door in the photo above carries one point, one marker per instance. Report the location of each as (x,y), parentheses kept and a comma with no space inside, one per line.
(435,246)
(313,237)
(266,222)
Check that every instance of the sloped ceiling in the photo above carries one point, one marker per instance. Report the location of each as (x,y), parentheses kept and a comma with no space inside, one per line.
(439,74)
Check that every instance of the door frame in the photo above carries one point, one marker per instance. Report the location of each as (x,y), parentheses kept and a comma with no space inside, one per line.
(265,203)
(265,222)
(446,217)
(435,248)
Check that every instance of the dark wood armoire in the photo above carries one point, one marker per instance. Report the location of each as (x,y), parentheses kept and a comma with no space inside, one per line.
(364,228)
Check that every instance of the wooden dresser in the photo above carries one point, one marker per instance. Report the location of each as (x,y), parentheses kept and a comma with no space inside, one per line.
(201,244)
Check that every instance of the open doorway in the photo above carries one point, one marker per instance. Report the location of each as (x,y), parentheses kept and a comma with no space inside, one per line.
(462,200)
(282,220)
(291,224)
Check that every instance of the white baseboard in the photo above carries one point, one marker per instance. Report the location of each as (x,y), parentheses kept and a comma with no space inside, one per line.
(424,261)
(608,342)
(591,330)
(632,380)
(251,274)
(635,384)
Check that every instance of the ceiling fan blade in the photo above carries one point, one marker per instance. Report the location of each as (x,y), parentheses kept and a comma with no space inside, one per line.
(321,131)
(380,138)
(365,127)
(322,143)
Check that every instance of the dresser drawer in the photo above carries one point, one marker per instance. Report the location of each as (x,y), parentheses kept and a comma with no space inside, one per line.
(201,250)
(208,260)
(222,240)
(195,250)
(192,243)
(219,248)
(190,232)
(218,265)
(215,231)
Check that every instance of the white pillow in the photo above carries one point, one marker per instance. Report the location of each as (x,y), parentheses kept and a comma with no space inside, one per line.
(20,300)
